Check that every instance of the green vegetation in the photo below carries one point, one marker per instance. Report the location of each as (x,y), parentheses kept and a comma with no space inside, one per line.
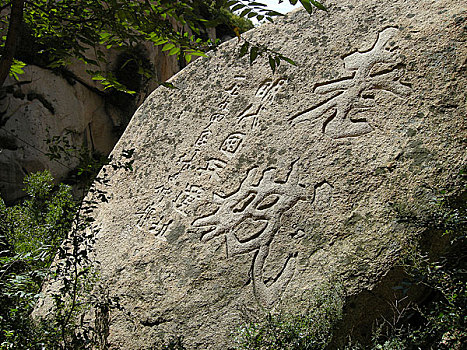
(46,224)
(59,31)
(32,232)
(439,321)
(309,329)
(30,235)
(51,225)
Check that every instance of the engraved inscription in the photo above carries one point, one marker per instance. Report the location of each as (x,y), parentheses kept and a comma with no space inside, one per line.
(223,105)
(233,90)
(263,89)
(263,97)
(232,143)
(145,216)
(213,168)
(154,221)
(203,138)
(216,118)
(269,90)
(354,93)
(263,203)
(185,161)
(151,218)
(187,197)
(251,112)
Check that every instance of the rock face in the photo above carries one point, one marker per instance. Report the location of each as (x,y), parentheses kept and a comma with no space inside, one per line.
(43,105)
(250,188)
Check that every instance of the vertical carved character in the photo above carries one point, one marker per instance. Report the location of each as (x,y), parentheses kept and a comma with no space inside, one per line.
(187,197)
(202,139)
(186,160)
(264,96)
(233,90)
(251,112)
(216,118)
(153,220)
(263,89)
(268,90)
(224,104)
(265,203)
(213,168)
(145,216)
(354,92)
(232,143)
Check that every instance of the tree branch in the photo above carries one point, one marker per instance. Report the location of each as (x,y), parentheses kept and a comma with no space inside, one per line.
(16,18)
(65,19)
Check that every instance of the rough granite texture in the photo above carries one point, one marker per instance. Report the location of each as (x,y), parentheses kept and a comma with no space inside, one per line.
(250,188)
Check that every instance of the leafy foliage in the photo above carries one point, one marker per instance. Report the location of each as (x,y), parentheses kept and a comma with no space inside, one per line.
(50,225)
(258,10)
(17,68)
(439,321)
(84,29)
(30,234)
(309,329)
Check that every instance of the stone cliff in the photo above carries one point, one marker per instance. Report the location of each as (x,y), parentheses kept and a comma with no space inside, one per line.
(69,105)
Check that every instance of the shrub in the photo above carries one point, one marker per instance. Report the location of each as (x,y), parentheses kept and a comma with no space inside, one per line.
(440,320)
(308,330)
(30,234)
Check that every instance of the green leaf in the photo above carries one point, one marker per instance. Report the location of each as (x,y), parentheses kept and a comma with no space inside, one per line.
(198,53)
(245,12)
(272,63)
(253,54)
(16,69)
(168,85)
(237,7)
(103,37)
(168,46)
(244,49)
(256,4)
(318,5)
(274,13)
(174,51)
(307,5)
(288,60)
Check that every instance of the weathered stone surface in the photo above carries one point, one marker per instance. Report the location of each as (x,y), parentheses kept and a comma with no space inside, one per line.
(43,105)
(249,188)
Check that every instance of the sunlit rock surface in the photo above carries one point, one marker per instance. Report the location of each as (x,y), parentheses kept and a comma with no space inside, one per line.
(250,188)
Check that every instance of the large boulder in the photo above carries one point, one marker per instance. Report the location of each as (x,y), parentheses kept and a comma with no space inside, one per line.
(250,188)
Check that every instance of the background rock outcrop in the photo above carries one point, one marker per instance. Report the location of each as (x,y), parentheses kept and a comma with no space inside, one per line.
(251,188)
(67,105)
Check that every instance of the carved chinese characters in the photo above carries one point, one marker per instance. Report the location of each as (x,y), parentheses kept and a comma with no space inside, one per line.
(185,201)
(251,189)
(353,93)
(250,217)
(264,203)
